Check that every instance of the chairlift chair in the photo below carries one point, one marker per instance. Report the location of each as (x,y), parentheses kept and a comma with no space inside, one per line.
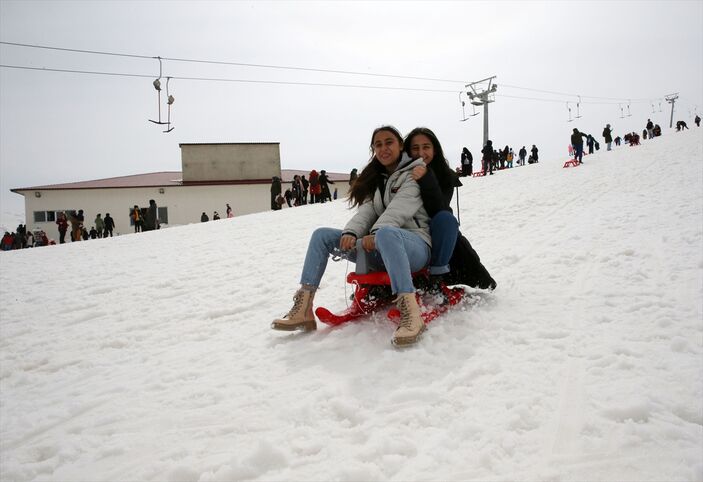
(463,110)
(157,86)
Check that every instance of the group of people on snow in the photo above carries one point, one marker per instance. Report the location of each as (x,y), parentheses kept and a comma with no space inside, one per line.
(496,159)
(317,186)
(216,216)
(145,219)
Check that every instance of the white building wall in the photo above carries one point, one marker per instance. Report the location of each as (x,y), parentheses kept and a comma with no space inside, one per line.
(185,203)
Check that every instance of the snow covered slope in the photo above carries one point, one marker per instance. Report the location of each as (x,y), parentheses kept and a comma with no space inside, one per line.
(149,357)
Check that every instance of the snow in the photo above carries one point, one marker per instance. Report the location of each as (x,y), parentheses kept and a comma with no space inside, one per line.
(150,357)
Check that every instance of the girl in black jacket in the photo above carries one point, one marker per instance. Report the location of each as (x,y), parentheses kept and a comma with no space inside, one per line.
(437,182)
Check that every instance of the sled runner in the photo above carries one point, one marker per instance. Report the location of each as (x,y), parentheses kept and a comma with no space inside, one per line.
(372,292)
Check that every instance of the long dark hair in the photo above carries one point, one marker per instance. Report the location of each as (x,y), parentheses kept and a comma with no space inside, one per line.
(439,164)
(368,180)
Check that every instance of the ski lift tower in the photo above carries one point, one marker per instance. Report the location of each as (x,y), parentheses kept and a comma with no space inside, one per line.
(671,99)
(482,93)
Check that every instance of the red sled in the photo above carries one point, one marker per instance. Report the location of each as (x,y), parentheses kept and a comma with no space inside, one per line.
(372,292)
(571,163)
(478,174)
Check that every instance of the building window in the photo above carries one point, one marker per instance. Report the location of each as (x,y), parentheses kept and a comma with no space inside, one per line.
(50,216)
(39,216)
(163,215)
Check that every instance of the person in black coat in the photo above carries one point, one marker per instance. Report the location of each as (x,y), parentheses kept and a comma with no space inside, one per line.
(275,191)
(697,120)
(150,219)
(577,141)
(650,129)
(522,154)
(437,182)
(487,152)
(608,136)
(325,181)
(534,151)
(109,225)
(305,184)
(467,162)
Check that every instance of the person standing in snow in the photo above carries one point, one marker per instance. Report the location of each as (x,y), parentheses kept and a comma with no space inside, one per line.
(305,184)
(315,189)
(136,218)
(697,120)
(390,229)
(522,153)
(534,151)
(487,160)
(230,214)
(467,161)
(275,192)
(109,225)
(650,129)
(590,142)
(62,223)
(608,136)
(325,181)
(577,141)
(151,217)
(99,225)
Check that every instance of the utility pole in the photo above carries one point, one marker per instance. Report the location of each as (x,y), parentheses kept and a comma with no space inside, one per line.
(671,99)
(480,96)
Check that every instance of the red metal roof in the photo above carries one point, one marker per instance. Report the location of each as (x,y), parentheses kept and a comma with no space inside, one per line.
(166,179)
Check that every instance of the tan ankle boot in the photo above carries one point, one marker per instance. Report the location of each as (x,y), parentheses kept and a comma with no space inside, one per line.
(411,324)
(300,317)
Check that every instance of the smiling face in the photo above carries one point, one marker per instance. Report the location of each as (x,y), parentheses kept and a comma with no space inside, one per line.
(387,148)
(421,146)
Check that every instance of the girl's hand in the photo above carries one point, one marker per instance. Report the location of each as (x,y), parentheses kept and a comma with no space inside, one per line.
(369,242)
(347,242)
(418,172)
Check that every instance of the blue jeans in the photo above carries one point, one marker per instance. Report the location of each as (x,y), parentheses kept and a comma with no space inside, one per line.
(578,152)
(398,251)
(445,231)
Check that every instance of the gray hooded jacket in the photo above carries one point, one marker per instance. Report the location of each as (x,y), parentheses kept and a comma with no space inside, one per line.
(399,206)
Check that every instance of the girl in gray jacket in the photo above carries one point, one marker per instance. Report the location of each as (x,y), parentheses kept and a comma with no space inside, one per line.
(391,225)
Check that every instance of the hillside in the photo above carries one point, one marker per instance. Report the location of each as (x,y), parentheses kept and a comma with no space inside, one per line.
(149,356)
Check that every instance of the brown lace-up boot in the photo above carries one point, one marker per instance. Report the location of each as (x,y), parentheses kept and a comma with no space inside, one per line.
(300,317)
(411,324)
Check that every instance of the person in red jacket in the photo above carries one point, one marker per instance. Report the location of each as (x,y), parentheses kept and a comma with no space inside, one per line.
(315,188)
(6,243)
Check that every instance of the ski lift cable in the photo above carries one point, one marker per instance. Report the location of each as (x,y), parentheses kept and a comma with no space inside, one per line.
(345,72)
(275,82)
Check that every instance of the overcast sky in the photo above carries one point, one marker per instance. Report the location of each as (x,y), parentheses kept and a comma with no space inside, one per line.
(63,127)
